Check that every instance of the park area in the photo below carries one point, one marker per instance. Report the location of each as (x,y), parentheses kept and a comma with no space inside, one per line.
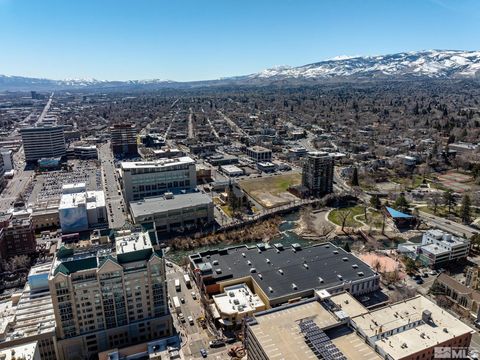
(456,181)
(271,191)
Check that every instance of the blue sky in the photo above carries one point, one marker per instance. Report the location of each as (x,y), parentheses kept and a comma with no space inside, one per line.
(207,39)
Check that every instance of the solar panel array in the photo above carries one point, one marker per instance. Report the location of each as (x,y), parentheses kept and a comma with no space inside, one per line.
(319,342)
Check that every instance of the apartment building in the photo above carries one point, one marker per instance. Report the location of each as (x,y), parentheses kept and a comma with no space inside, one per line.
(317,174)
(108,296)
(7,157)
(123,139)
(43,142)
(152,178)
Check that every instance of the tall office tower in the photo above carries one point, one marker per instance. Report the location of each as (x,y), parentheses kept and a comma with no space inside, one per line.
(43,142)
(108,297)
(317,173)
(124,138)
(152,178)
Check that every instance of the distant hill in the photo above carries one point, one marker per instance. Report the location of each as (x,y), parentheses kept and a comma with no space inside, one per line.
(431,64)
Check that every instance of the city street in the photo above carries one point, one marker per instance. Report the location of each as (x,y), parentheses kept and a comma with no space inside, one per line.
(117,213)
(194,337)
(16,186)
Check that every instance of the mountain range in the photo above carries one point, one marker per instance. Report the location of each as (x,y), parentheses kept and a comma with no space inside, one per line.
(430,64)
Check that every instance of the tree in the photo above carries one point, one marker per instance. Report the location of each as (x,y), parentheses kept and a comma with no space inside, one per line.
(465,209)
(375,201)
(355,177)
(343,214)
(346,247)
(410,266)
(401,203)
(435,201)
(449,200)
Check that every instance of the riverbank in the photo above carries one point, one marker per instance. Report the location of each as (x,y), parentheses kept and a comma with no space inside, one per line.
(263,231)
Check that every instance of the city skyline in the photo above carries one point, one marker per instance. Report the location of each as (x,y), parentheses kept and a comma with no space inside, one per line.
(188,41)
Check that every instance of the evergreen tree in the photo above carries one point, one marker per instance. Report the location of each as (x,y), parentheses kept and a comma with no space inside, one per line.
(375,201)
(346,247)
(355,177)
(465,209)
(449,200)
(401,203)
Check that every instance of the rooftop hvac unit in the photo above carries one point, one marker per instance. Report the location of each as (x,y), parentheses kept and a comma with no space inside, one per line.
(280,271)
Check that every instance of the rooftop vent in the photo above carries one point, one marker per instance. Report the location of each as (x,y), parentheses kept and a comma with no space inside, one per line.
(335,252)
(355,266)
(218,270)
(253,270)
(278,246)
(215,262)
(270,289)
(260,276)
(280,271)
(345,259)
(305,266)
(249,262)
(243,254)
(320,279)
(340,277)
(268,261)
(360,273)
(294,286)
(296,246)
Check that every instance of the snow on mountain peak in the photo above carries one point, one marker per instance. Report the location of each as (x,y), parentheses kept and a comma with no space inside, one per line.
(428,63)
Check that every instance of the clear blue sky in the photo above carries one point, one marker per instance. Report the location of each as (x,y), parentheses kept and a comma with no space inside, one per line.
(207,39)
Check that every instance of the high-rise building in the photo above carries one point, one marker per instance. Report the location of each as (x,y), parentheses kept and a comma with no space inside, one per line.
(108,296)
(152,178)
(124,138)
(317,175)
(43,142)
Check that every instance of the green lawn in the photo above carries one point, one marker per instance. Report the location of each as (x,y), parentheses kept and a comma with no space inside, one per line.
(374,218)
(442,211)
(335,216)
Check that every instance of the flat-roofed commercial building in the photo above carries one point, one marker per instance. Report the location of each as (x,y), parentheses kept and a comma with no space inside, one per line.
(80,210)
(28,317)
(173,212)
(123,139)
(43,142)
(317,173)
(330,327)
(259,154)
(109,297)
(152,178)
(291,332)
(411,329)
(280,274)
(439,247)
(236,303)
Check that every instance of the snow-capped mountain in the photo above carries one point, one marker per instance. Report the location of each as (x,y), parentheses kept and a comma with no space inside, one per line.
(431,64)
(434,64)
(26,83)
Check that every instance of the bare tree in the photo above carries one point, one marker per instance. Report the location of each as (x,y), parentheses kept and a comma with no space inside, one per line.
(343,214)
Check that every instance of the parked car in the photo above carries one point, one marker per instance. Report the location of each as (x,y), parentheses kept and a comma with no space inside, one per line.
(203,352)
(182,300)
(190,320)
(216,343)
(194,296)
(425,275)
(419,281)
(230,340)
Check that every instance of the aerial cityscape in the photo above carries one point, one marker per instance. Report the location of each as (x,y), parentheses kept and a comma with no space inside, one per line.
(329,209)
